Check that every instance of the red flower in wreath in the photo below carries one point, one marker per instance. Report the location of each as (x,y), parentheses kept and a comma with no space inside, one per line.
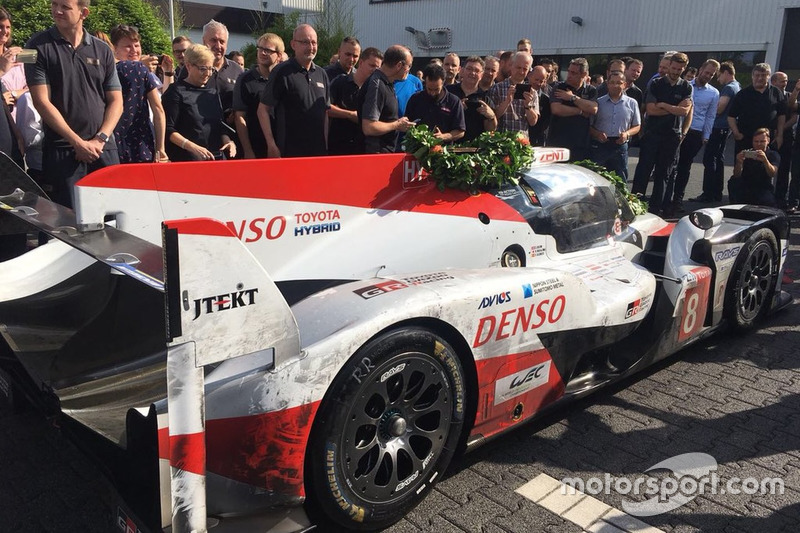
(437,148)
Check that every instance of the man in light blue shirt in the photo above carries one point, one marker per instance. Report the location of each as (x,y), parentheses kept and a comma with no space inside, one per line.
(704,111)
(714,154)
(616,121)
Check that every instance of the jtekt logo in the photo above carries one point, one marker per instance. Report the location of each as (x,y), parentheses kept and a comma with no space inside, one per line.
(224,302)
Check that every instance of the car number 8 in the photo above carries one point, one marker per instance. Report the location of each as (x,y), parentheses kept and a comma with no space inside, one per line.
(690,320)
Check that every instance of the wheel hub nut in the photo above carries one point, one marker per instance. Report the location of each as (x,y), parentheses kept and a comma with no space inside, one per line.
(397,426)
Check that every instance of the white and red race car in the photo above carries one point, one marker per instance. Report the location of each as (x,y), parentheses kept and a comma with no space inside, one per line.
(337,328)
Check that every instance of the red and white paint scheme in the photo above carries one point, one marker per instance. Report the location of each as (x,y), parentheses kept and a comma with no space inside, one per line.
(336,328)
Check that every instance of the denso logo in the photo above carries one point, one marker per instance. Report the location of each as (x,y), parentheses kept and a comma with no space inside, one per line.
(259,228)
(224,302)
(727,254)
(488,301)
(371,291)
(523,318)
(633,308)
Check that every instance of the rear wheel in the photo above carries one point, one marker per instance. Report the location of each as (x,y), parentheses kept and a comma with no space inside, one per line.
(752,282)
(385,432)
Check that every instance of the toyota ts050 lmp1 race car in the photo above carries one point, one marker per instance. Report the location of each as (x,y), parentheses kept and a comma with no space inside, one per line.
(324,334)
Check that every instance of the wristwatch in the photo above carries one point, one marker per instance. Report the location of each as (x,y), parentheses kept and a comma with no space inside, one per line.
(574,97)
(102,136)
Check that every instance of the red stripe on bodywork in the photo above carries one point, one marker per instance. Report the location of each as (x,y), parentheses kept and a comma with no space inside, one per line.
(200,226)
(187,452)
(266,450)
(665,231)
(491,419)
(386,181)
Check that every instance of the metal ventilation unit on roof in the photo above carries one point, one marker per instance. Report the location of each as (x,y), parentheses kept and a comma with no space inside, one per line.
(435,39)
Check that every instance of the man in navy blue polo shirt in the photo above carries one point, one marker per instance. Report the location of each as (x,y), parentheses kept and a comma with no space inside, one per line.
(377,103)
(75,88)
(298,96)
(437,108)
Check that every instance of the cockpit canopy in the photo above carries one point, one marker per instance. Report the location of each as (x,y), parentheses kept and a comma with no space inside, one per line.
(577,207)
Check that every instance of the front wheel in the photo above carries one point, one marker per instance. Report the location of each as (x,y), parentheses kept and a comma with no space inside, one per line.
(752,282)
(385,432)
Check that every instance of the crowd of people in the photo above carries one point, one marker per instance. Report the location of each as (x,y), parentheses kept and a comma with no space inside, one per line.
(88,101)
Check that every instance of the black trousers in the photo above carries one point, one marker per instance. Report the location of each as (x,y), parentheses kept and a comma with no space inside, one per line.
(690,147)
(714,163)
(657,153)
(61,171)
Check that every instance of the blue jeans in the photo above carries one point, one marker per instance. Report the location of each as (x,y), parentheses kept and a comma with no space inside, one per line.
(611,155)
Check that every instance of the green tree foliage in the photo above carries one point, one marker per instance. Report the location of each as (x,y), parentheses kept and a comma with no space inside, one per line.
(32,16)
(333,22)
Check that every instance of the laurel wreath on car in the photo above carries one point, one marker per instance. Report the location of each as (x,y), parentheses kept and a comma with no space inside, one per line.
(491,160)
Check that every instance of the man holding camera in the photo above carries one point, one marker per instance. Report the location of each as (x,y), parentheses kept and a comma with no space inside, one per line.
(478,116)
(753,173)
(514,102)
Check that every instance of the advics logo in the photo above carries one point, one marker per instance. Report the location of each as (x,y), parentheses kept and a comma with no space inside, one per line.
(501,298)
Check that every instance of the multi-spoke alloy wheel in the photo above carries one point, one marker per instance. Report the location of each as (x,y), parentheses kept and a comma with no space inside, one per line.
(386,430)
(752,282)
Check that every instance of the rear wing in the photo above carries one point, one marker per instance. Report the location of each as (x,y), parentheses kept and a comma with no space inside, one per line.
(220,304)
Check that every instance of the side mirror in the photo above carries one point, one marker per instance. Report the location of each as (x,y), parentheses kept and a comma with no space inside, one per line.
(706,218)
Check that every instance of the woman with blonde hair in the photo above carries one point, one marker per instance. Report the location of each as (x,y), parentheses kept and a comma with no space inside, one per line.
(195,122)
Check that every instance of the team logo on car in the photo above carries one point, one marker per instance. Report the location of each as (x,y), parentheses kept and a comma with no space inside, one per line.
(224,302)
(371,291)
(633,308)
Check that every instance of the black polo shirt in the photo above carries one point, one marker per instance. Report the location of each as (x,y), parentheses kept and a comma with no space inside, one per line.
(343,135)
(444,112)
(334,71)
(754,175)
(753,110)
(571,132)
(636,93)
(223,80)
(78,79)
(246,97)
(300,100)
(661,90)
(538,132)
(377,102)
(472,119)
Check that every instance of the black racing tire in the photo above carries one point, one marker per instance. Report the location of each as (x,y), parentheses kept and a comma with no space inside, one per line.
(751,285)
(385,431)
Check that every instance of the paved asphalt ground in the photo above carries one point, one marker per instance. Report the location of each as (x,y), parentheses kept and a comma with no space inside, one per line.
(734,397)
